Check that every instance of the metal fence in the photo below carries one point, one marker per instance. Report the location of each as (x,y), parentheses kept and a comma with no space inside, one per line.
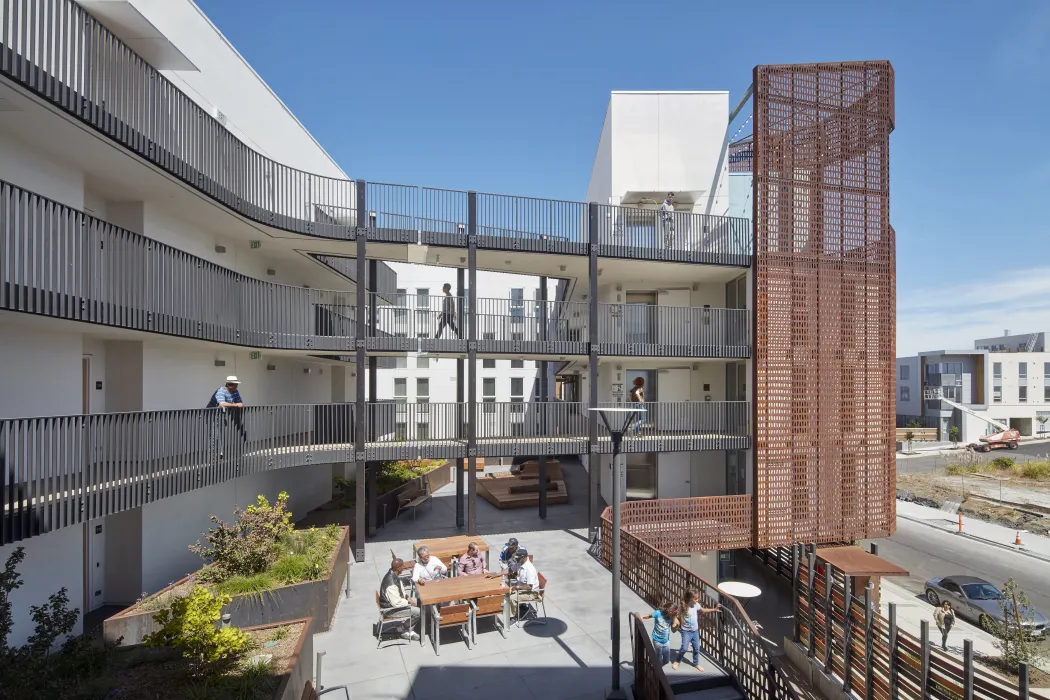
(60,262)
(729,637)
(59,51)
(673,331)
(687,525)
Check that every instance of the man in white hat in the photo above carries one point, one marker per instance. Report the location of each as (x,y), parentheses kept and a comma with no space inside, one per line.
(228,398)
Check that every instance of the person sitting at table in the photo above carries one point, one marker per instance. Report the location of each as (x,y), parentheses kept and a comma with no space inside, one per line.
(472,563)
(427,568)
(506,555)
(527,582)
(392,595)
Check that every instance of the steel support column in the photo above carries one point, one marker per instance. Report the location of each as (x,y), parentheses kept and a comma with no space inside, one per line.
(472,363)
(460,273)
(594,512)
(544,397)
(360,527)
(373,467)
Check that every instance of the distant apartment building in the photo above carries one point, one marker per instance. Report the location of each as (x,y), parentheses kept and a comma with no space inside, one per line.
(1006,379)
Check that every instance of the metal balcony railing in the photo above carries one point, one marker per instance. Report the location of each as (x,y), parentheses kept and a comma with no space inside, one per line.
(59,262)
(673,331)
(686,425)
(60,52)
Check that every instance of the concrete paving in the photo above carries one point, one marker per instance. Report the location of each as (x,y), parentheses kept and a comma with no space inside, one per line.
(568,658)
(989,533)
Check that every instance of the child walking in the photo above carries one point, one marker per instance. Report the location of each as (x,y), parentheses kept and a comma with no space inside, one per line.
(662,617)
(691,627)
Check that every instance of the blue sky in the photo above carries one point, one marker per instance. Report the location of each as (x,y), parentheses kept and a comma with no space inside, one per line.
(510,98)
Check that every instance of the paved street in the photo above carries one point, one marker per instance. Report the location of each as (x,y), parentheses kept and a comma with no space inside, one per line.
(911,465)
(927,552)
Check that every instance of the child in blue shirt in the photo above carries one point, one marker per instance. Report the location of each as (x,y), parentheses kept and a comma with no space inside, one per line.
(662,618)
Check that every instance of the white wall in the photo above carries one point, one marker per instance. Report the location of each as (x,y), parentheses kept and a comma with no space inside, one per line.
(28,168)
(254,113)
(40,370)
(51,561)
(600,187)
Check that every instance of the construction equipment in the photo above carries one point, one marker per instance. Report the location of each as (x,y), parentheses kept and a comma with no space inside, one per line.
(1004,437)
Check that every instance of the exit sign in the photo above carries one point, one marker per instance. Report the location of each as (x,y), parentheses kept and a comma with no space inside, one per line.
(255,355)
(256,244)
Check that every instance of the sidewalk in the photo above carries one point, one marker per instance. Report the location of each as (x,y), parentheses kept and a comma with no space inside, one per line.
(919,449)
(911,611)
(1033,545)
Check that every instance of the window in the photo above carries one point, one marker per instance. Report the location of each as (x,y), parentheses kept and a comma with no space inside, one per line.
(488,394)
(905,373)
(997,370)
(517,364)
(517,395)
(951,587)
(1046,370)
(400,362)
(400,431)
(1022,370)
(401,303)
(488,363)
(517,305)
(997,394)
(422,387)
(905,394)
(422,431)
(952,393)
(422,298)
(1022,394)
(422,362)
(1046,394)
(400,387)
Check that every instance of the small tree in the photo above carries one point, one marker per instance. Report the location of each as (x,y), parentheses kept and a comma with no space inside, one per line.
(913,423)
(1042,423)
(908,437)
(189,627)
(249,545)
(1013,638)
(954,435)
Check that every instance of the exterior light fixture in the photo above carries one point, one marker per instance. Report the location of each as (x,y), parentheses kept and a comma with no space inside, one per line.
(616,421)
(220,363)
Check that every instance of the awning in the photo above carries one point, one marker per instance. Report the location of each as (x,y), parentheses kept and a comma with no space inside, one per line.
(854,561)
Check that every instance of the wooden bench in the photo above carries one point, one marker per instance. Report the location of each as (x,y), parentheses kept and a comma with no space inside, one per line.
(412,497)
(533,487)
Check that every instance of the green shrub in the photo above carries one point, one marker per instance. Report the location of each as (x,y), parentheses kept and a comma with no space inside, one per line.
(1001,463)
(279,633)
(189,627)
(249,545)
(393,475)
(954,469)
(1036,469)
(244,585)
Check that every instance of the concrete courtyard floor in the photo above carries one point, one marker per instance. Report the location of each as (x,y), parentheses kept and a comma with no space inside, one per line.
(569,657)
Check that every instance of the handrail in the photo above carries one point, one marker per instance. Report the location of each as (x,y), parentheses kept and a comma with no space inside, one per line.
(756,669)
(88,72)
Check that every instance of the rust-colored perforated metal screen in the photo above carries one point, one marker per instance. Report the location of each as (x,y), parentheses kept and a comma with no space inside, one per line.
(824,300)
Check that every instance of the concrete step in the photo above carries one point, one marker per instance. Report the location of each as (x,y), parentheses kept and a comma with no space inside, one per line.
(725,692)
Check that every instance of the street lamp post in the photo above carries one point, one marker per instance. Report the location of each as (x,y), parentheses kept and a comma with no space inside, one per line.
(616,435)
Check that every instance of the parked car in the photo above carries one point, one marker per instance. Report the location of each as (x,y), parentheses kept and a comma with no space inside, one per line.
(977,600)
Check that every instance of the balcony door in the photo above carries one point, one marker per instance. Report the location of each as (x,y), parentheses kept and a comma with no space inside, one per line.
(640,317)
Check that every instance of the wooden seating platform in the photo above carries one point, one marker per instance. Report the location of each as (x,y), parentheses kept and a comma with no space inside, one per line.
(506,491)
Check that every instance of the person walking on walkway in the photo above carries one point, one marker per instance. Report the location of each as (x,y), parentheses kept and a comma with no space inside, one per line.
(945,618)
(447,315)
(637,400)
(667,219)
(690,631)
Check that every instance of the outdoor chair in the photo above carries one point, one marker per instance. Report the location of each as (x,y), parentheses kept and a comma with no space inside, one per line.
(459,616)
(387,617)
(539,600)
(489,606)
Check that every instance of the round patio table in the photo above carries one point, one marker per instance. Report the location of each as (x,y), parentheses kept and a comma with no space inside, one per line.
(743,592)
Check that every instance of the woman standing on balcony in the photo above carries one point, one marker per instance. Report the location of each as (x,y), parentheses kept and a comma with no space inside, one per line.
(637,399)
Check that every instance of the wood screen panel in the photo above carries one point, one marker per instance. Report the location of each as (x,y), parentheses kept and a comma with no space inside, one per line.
(824,280)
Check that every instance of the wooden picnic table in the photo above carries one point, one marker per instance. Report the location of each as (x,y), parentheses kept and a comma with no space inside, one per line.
(446,590)
(444,548)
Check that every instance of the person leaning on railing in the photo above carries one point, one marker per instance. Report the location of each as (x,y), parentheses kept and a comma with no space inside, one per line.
(228,399)
(690,631)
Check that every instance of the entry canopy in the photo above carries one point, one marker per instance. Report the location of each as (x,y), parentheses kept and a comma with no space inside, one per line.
(854,561)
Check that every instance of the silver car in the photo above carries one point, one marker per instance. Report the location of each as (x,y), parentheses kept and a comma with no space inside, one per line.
(977,600)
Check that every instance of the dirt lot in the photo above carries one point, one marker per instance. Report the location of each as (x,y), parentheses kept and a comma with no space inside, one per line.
(1005,500)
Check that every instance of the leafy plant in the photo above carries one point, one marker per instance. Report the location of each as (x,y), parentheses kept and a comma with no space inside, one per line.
(1042,423)
(1036,469)
(249,545)
(280,633)
(908,437)
(914,424)
(1013,638)
(1001,463)
(189,627)
(9,582)
(954,435)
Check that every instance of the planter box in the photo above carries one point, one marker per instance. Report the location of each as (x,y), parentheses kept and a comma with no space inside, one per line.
(300,670)
(312,599)
(432,481)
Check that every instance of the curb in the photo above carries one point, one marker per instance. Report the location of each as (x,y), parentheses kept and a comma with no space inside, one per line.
(993,543)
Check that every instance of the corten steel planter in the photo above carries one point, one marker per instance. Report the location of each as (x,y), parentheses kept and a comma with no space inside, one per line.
(300,669)
(433,480)
(312,599)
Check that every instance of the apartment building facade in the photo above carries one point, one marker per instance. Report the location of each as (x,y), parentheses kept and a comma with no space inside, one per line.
(1008,384)
(168,223)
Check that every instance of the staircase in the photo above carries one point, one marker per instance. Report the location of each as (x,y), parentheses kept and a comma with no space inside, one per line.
(711,684)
